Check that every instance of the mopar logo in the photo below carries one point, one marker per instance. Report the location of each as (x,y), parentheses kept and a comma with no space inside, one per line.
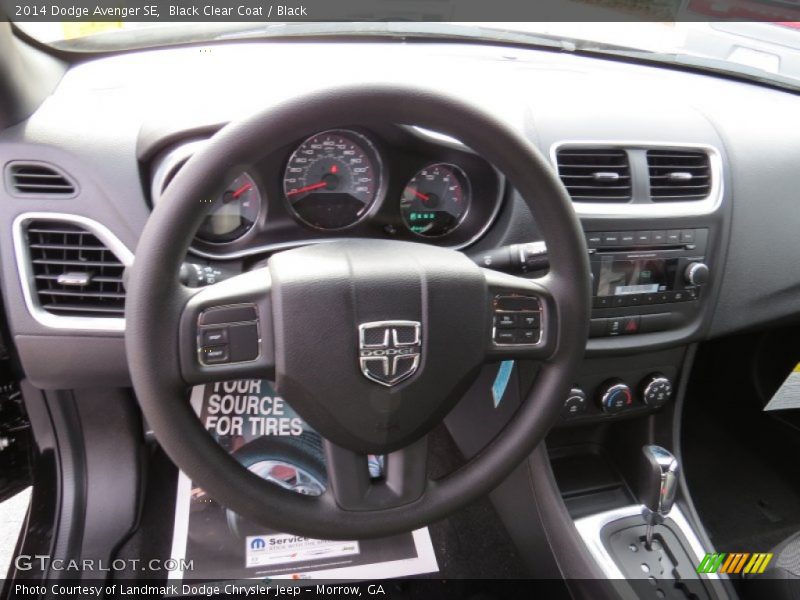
(389,351)
(257,544)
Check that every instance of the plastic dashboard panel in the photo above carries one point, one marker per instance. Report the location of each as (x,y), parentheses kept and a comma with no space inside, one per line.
(96,126)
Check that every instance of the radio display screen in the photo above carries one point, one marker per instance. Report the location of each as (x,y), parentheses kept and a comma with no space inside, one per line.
(620,277)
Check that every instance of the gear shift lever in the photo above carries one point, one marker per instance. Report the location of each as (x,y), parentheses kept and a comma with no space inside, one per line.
(659,483)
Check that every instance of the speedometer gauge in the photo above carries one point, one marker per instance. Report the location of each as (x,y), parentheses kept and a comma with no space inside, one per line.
(332,179)
(233,213)
(436,200)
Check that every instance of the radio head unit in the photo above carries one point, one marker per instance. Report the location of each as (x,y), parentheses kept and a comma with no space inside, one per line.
(641,271)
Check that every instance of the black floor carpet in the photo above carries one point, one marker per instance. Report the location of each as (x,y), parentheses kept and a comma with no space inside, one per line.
(741,463)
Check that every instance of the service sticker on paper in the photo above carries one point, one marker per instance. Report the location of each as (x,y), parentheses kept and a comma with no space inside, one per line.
(281,548)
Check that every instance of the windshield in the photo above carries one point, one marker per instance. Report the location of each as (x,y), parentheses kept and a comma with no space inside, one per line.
(768,51)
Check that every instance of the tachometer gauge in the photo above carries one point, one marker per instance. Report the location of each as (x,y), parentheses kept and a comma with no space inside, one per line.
(332,179)
(233,213)
(436,200)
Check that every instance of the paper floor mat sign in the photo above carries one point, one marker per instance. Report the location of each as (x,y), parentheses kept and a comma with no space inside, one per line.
(262,431)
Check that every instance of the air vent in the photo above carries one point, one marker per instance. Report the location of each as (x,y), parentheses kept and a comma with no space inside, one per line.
(678,175)
(38,179)
(595,174)
(74,273)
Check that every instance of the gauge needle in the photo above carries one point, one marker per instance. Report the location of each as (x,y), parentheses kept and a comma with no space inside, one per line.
(242,189)
(308,188)
(421,196)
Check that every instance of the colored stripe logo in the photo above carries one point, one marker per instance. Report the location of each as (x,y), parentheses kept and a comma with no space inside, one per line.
(735,562)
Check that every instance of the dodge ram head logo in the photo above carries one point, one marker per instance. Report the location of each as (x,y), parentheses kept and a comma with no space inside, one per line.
(389,351)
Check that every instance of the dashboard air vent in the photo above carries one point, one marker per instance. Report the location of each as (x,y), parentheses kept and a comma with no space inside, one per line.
(74,273)
(678,175)
(595,174)
(38,179)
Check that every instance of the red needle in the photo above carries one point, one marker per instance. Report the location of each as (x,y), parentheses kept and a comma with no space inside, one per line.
(242,190)
(307,188)
(421,196)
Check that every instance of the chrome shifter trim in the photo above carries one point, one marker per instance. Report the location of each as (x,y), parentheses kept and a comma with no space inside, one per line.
(590,527)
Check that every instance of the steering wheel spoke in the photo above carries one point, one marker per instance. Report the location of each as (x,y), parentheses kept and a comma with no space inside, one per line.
(226,330)
(524,317)
(403,479)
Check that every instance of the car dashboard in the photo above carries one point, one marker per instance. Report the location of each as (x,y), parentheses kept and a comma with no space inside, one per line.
(682,196)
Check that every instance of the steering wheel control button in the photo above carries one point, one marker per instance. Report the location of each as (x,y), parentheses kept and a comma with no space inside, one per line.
(516,303)
(575,404)
(215,355)
(615,396)
(656,390)
(228,314)
(505,321)
(244,342)
(505,337)
(228,334)
(517,320)
(214,336)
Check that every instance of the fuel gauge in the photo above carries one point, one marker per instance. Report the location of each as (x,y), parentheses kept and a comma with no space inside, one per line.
(435,200)
(233,213)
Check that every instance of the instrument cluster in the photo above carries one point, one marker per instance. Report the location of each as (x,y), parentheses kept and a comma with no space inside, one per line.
(399,183)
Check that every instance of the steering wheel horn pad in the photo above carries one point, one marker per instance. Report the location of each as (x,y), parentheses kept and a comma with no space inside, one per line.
(323,313)
(323,294)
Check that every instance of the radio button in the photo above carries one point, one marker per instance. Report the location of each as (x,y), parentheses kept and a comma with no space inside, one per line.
(677,296)
(662,298)
(673,237)
(593,240)
(601,302)
(659,237)
(617,301)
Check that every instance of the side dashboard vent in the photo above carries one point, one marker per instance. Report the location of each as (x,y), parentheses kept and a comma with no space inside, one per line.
(38,179)
(678,175)
(74,273)
(595,174)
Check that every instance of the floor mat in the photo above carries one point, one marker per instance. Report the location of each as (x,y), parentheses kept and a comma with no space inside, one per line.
(740,463)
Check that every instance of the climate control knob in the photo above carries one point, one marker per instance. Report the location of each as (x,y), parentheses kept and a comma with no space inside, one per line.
(696,273)
(575,404)
(656,390)
(614,396)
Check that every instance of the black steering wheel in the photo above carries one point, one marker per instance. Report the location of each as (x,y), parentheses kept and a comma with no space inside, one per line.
(372,342)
